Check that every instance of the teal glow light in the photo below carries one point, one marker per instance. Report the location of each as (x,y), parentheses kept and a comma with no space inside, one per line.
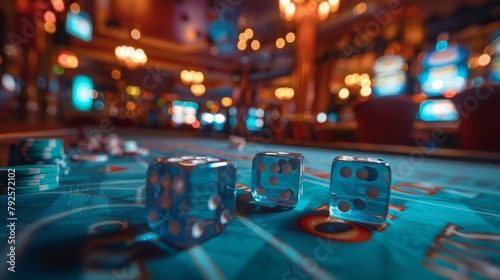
(333,118)
(79,25)
(81,100)
(441,46)
(477,81)
(438,110)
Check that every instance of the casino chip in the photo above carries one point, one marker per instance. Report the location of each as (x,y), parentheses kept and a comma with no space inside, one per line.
(237,143)
(24,190)
(44,151)
(130,146)
(90,157)
(30,182)
(28,170)
(28,178)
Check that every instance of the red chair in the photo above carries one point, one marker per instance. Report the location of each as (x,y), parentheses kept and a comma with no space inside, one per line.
(479,110)
(301,130)
(386,120)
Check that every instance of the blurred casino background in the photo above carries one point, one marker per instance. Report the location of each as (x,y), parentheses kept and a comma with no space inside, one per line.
(392,72)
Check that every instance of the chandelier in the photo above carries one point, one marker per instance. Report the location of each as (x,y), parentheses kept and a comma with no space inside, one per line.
(130,57)
(284,93)
(194,79)
(299,9)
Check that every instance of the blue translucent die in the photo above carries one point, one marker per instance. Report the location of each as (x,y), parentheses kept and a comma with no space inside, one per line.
(190,198)
(360,189)
(277,178)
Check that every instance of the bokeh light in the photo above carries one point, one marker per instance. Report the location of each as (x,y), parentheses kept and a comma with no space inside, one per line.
(321,117)
(58,5)
(74,8)
(280,43)
(484,59)
(365,91)
(226,101)
(49,17)
(241,45)
(116,74)
(49,27)
(249,33)
(135,34)
(343,93)
(359,8)
(255,45)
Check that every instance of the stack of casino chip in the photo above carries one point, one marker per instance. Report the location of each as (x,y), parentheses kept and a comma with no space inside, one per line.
(44,151)
(28,179)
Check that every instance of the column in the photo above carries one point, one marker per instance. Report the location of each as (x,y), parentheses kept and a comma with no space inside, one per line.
(303,79)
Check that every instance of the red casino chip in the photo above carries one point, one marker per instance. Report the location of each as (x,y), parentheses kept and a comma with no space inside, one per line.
(334,229)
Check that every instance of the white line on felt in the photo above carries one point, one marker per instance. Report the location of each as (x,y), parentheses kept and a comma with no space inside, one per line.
(446,187)
(285,249)
(103,183)
(423,202)
(205,264)
(142,162)
(446,206)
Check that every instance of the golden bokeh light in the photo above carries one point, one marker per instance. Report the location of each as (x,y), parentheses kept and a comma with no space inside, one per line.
(226,101)
(243,37)
(74,8)
(72,62)
(49,27)
(197,90)
(280,43)
(242,45)
(49,17)
(116,74)
(343,93)
(130,106)
(365,83)
(365,91)
(135,34)
(249,33)
(359,8)
(198,77)
(255,45)
(58,5)
(323,10)
(484,59)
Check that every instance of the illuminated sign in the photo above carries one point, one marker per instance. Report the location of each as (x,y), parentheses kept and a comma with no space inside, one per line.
(81,100)
(79,25)
(438,110)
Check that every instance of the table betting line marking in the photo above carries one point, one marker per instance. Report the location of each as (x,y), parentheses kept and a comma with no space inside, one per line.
(324,184)
(285,249)
(81,191)
(205,264)
(446,187)
(102,183)
(142,162)
(451,207)
(28,231)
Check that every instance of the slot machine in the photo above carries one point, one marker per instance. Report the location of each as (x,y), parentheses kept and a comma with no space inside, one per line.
(445,70)
(389,76)
(494,70)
